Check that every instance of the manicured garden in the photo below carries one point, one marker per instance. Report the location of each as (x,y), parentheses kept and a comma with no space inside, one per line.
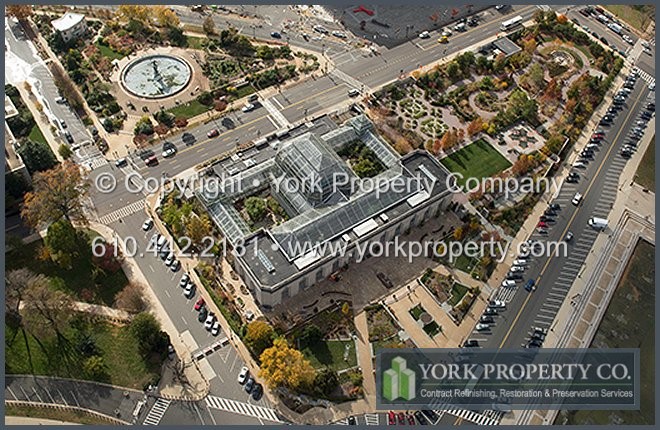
(477,160)
(331,353)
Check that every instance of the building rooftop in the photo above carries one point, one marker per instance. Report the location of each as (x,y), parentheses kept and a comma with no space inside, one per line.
(506,46)
(12,160)
(10,109)
(67,21)
(329,212)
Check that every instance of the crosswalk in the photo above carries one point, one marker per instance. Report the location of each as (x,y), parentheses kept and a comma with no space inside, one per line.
(279,118)
(505,294)
(122,212)
(487,418)
(241,408)
(371,419)
(351,81)
(650,79)
(156,413)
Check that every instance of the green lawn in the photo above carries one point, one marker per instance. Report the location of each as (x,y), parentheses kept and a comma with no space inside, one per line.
(189,110)
(118,348)
(416,312)
(629,323)
(645,175)
(465,263)
(432,328)
(457,293)
(37,136)
(330,353)
(107,51)
(77,281)
(638,16)
(477,160)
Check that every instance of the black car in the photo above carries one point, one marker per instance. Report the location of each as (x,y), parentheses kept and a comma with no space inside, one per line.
(471,343)
(249,385)
(606,121)
(514,275)
(625,153)
(203,313)
(258,391)
(486,319)
(573,177)
(67,135)
(188,139)
(535,343)
(430,415)
(421,419)
(549,212)
(275,35)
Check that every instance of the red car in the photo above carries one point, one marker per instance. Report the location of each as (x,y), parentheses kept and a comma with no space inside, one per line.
(200,303)
(391,418)
(411,420)
(542,224)
(213,133)
(402,418)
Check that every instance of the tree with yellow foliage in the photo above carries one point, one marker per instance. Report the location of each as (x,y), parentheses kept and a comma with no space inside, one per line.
(140,13)
(283,366)
(19,11)
(165,17)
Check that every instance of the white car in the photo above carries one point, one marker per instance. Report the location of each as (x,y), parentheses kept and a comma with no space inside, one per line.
(579,164)
(446,32)
(577,199)
(515,269)
(652,86)
(339,34)
(243,375)
(482,327)
(169,259)
(210,320)
(148,224)
(508,283)
(249,107)
(215,329)
(497,304)
(424,35)
(189,291)
(520,262)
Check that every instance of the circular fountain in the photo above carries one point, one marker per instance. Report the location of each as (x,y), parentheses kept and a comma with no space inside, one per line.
(156,76)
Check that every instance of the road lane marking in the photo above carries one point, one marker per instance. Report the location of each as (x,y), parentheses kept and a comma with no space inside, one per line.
(184,320)
(568,224)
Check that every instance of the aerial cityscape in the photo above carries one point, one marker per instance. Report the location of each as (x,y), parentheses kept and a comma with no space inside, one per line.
(315,214)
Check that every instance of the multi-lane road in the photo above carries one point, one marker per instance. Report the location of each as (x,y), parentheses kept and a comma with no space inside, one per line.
(555,274)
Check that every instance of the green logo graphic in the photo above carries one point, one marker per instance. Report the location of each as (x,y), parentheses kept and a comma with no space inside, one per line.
(399,381)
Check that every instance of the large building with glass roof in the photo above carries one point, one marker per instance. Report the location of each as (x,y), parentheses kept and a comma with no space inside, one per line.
(328,206)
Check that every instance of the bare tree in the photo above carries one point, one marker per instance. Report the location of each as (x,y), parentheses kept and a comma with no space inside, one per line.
(131,299)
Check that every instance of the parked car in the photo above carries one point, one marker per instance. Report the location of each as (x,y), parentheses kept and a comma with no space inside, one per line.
(529,285)
(200,303)
(215,329)
(249,107)
(189,291)
(121,162)
(421,419)
(353,92)
(490,311)
(577,199)
(213,133)
(276,35)
(68,136)
(486,319)
(424,35)
(471,343)
(482,327)
(249,385)
(508,283)
(184,280)
(148,224)
(391,418)
(243,375)
(203,313)
(258,391)
(176,265)
(60,100)
(169,259)
(209,321)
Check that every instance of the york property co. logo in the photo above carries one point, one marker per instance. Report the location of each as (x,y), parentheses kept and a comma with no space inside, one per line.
(399,381)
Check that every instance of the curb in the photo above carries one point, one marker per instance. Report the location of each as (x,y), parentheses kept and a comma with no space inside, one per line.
(112,420)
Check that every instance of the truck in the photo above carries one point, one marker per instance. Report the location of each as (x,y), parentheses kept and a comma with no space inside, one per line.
(598,223)
(615,27)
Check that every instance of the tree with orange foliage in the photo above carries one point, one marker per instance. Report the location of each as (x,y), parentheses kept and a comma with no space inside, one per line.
(57,194)
(475,126)
(19,11)
(562,19)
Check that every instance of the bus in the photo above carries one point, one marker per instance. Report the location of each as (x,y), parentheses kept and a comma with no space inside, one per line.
(510,23)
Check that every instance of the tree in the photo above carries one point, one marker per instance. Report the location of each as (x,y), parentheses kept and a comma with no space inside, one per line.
(16,282)
(283,366)
(19,11)
(147,332)
(458,233)
(94,368)
(259,336)
(475,126)
(130,299)
(165,16)
(209,26)
(144,126)
(63,243)
(67,88)
(128,12)
(176,37)
(106,256)
(311,334)
(256,208)
(198,228)
(37,156)
(64,151)
(57,193)
(345,309)
(453,71)
(326,381)
(47,309)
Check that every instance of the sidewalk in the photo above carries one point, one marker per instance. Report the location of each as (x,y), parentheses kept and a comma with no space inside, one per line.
(196,386)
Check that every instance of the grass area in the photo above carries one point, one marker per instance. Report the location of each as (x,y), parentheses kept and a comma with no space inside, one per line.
(458,291)
(638,16)
(66,416)
(107,51)
(195,42)
(245,91)
(330,353)
(628,323)
(477,160)
(432,328)
(416,312)
(37,136)
(465,263)
(645,175)
(124,365)
(79,281)
(189,110)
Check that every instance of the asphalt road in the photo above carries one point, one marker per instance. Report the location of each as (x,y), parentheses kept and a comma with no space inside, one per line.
(555,275)
(20,61)
(614,39)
